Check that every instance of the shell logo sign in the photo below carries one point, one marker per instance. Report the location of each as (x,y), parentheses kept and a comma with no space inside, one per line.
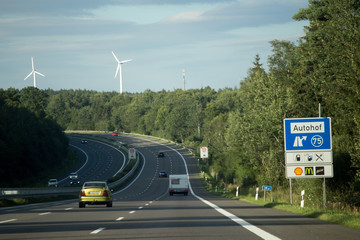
(298,171)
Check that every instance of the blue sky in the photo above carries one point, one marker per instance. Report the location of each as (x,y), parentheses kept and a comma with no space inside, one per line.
(215,41)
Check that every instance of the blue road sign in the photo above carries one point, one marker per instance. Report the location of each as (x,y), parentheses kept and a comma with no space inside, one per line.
(307,134)
(266,188)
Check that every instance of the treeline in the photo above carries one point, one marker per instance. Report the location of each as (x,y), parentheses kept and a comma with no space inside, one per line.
(243,127)
(32,146)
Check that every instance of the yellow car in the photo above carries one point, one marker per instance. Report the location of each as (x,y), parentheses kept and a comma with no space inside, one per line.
(94,193)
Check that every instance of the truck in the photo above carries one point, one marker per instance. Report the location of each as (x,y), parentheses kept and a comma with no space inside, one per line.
(178,184)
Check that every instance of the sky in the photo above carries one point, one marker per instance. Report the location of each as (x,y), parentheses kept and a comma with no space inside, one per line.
(214,41)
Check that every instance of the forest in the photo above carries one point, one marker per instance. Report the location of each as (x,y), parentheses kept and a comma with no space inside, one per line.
(242,127)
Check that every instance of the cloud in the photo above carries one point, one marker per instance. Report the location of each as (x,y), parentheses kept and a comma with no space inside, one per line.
(193,16)
(72,41)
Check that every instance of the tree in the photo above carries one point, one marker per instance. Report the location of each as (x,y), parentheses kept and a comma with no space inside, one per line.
(35,100)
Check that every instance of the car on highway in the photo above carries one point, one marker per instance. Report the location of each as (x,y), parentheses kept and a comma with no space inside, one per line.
(73,176)
(162,174)
(83,141)
(114,133)
(53,182)
(161,155)
(95,193)
(75,181)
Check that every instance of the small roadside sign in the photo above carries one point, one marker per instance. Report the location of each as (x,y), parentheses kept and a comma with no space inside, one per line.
(266,188)
(204,152)
(132,153)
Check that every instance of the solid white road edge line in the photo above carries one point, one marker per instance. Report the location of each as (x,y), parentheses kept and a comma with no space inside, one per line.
(258,231)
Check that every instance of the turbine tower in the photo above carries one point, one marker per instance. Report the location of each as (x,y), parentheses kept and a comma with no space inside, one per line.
(118,69)
(183,75)
(33,72)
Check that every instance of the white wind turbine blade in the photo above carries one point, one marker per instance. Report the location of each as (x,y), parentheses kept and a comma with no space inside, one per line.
(115,57)
(117,70)
(28,75)
(40,73)
(124,61)
(32,63)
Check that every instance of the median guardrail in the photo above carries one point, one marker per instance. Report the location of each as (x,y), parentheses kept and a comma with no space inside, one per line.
(11,193)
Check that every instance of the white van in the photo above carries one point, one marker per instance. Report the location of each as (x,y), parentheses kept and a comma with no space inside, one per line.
(178,184)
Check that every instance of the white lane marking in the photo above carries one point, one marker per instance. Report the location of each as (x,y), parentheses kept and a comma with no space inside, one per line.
(97,230)
(261,233)
(120,218)
(140,207)
(45,213)
(67,209)
(147,204)
(131,212)
(86,161)
(10,220)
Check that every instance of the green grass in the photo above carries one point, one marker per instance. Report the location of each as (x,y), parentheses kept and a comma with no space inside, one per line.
(342,217)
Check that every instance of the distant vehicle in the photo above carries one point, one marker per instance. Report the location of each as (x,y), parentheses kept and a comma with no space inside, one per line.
(73,176)
(53,183)
(95,193)
(178,184)
(162,174)
(161,154)
(74,181)
(83,141)
(114,133)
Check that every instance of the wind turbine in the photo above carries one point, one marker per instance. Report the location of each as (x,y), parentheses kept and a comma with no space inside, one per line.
(34,72)
(118,69)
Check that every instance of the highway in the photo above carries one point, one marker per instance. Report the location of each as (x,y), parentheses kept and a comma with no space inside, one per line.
(144,209)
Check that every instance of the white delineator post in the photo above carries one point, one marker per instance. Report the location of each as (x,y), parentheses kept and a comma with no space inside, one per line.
(257,193)
(302,198)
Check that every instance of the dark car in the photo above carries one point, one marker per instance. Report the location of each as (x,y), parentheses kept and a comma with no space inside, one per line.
(162,174)
(161,154)
(74,181)
(83,141)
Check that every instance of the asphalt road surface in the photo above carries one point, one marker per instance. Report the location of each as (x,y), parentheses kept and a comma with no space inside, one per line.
(97,161)
(144,210)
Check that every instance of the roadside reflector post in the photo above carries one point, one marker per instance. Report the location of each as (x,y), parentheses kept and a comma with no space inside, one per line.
(264,195)
(237,191)
(257,193)
(302,198)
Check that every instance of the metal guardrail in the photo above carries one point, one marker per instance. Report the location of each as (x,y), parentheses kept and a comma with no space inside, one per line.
(11,193)
(128,175)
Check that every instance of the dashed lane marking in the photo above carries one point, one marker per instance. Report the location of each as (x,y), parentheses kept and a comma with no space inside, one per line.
(10,220)
(45,213)
(97,230)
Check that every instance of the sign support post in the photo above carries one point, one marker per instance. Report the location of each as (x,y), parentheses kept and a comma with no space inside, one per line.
(291,201)
(324,181)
